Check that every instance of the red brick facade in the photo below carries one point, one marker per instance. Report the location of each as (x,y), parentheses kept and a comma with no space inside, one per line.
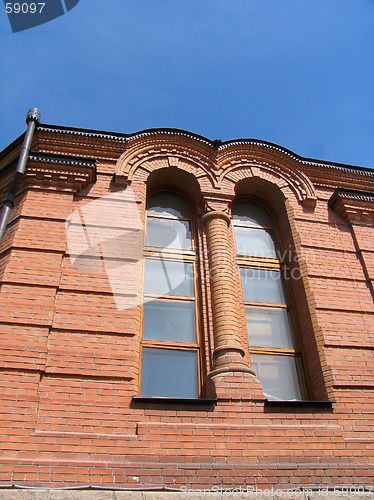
(69,363)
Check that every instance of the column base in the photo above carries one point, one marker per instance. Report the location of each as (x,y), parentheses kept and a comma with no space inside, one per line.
(235,383)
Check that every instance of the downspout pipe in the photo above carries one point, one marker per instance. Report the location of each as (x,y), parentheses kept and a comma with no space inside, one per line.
(32,120)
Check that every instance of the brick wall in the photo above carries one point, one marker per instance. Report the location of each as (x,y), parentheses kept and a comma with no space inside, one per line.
(69,356)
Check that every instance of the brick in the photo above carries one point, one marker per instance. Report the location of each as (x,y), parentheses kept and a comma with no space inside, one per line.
(70,356)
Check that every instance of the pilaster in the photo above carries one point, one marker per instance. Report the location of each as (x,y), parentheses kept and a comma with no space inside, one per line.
(232,376)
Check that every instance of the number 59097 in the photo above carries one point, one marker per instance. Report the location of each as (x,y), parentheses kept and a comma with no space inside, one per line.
(24,8)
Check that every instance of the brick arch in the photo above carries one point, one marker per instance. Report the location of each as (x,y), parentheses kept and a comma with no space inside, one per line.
(148,154)
(251,160)
(216,169)
(263,189)
(175,177)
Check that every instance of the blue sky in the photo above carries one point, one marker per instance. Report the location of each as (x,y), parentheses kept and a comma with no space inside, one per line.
(299,73)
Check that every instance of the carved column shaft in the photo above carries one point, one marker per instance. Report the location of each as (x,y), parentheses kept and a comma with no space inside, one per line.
(228,353)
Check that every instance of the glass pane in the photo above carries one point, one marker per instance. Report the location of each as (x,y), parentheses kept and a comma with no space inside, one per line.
(166,277)
(168,233)
(262,286)
(169,320)
(248,213)
(255,242)
(278,376)
(169,373)
(268,327)
(169,204)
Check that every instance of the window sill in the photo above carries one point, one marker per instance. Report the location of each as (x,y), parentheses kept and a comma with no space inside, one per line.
(173,401)
(313,405)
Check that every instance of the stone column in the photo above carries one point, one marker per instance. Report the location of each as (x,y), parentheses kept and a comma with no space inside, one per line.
(229,363)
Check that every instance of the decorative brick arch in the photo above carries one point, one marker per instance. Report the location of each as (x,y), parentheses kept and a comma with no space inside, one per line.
(238,161)
(150,152)
(216,166)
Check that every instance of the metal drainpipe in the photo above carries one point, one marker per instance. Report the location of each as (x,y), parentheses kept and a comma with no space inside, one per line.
(32,120)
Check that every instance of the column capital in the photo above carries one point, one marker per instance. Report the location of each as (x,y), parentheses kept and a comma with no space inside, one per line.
(216,214)
(217,207)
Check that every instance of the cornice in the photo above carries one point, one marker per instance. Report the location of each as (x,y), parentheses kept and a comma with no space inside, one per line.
(215,144)
(352,194)
(99,145)
(299,159)
(172,132)
(62,160)
(212,154)
(58,172)
(83,132)
(354,206)
(62,172)
(10,154)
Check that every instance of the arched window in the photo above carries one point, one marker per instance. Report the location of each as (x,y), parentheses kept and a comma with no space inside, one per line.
(170,351)
(274,354)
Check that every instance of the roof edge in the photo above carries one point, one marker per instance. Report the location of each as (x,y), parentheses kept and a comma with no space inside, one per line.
(11,146)
(216,144)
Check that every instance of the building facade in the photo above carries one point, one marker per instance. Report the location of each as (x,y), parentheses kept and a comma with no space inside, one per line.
(184,313)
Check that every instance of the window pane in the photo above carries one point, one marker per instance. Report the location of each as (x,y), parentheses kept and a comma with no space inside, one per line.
(268,327)
(169,204)
(169,320)
(255,242)
(168,233)
(169,373)
(262,286)
(278,376)
(249,213)
(166,277)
